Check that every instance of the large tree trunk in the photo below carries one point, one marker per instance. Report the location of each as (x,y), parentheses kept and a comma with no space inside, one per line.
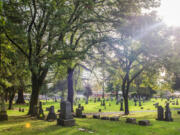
(36,85)
(126,105)
(70,87)
(125,91)
(37,81)
(20,99)
(11,97)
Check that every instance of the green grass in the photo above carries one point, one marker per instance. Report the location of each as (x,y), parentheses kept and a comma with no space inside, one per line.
(17,126)
(92,107)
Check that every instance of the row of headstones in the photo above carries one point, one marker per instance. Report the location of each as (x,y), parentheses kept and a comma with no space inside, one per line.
(160,113)
(65,115)
(128,120)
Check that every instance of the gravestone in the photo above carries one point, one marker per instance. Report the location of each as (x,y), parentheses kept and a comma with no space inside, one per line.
(156,104)
(160,113)
(94,100)
(140,102)
(22,110)
(96,116)
(103,102)
(144,122)
(51,115)
(3,113)
(135,100)
(47,108)
(131,120)
(40,114)
(117,102)
(78,112)
(99,110)
(114,118)
(99,99)
(177,103)
(111,98)
(121,108)
(168,116)
(104,118)
(66,118)
(19,109)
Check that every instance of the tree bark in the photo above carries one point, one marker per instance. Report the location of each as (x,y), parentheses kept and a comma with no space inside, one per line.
(34,95)
(70,87)
(125,91)
(20,99)
(11,97)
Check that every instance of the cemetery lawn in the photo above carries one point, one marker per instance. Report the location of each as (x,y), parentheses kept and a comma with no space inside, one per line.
(92,107)
(20,124)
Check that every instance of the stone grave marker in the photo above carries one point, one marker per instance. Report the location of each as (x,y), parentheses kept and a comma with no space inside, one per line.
(177,103)
(121,101)
(51,115)
(66,118)
(160,113)
(131,120)
(144,122)
(96,116)
(168,116)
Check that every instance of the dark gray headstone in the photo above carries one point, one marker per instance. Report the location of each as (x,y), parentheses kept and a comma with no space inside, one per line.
(51,115)
(144,122)
(66,117)
(114,118)
(96,116)
(168,116)
(160,113)
(131,120)
(104,118)
(177,103)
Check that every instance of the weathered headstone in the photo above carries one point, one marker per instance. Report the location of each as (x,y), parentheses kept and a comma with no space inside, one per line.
(177,103)
(19,109)
(160,113)
(66,118)
(121,108)
(168,116)
(78,112)
(22,110)
(114,118)
(94,100)
(144,122)
(156,104)
(131,120)
(140,102)
(51,115)
(104,118)
(96,116)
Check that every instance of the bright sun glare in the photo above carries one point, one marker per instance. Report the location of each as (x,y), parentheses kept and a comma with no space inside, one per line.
(170,12)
